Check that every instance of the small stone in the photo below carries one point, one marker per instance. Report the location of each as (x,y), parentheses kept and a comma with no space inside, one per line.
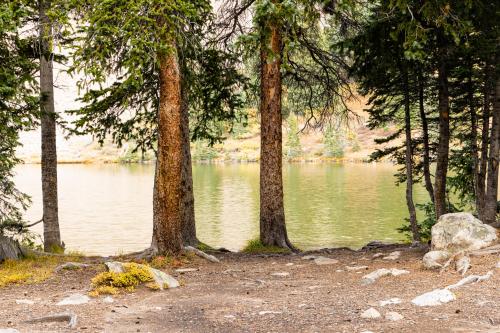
(280,274)
(435,297)
(325,261)
(25,301)
(378,255)
(108,299)
(158,308)
(289,264)
(339,271)
(309,257)
(75,299)
(393,316)
(303,305)
(8,330)
(229,316)
(371,313)
(393,255)
(356,268)
(390,301)
(497,265)
(186,270)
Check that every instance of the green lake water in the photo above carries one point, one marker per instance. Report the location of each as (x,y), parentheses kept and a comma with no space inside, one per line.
(107,209)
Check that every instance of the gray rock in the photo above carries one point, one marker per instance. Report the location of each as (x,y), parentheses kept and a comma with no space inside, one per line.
(371,313)
(75,299)
(435,259)
(435,297)
(393,255)
(393,316)
(71,265)
(115,266)
(325,261)
(375,275)
(161,278)
(108,299)
(9,249)
(461,232)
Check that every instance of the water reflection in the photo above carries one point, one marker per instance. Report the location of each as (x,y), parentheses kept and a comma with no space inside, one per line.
(107,209)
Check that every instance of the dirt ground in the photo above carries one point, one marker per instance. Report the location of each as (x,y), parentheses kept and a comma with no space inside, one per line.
(242,295)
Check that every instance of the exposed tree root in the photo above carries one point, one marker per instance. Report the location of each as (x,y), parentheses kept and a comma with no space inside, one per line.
(201,254)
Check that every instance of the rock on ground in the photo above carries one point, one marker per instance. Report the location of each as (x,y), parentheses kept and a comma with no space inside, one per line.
(325,261)
(375,275)
(161,278)
(393,316)
(371,313)
(435,259)
(461,232)
(435,297)
(75,299)
(393,256)
(8,330)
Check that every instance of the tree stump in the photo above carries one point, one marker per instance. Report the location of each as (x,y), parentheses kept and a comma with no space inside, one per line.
(9,249)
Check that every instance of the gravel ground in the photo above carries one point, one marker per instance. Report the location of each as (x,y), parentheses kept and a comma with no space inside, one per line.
(242,295)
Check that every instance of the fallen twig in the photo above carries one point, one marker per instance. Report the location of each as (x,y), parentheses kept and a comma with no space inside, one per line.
(202,254)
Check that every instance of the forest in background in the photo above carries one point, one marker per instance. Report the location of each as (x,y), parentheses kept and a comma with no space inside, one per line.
(163,74)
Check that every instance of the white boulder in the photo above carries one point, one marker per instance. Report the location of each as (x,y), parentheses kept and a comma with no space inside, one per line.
(435,297)
(461,232)
(371,313)
(435,259)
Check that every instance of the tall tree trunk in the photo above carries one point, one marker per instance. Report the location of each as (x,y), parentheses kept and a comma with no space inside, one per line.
(425,137)
(492,182)
(51,232)
(444,140)
(483,162)
(188,220)
(474,147)
(168,188)
(272,212)
(409,162)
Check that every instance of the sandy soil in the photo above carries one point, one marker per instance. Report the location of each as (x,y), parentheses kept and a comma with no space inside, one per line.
(242,295)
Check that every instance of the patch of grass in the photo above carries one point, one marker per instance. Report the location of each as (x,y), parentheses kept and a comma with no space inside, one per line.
(31,269)
(255,246)
(133,276)
(104,290)
(204,247)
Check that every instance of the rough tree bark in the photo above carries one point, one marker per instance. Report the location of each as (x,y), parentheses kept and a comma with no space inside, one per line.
(51,233)
(485,138)
(474,145)
(409,161)
(168,188)
(272,213)
(444,140)
(425,138)
(491,198)
(188,221)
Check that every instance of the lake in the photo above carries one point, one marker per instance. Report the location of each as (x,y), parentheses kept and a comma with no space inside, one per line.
(106,209)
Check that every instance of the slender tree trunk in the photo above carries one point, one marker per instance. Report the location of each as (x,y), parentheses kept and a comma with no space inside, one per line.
(492,182)
(188,220)
(483,162)
(425,136)
(474,146)
(168,197)
(444,140)
(272,212)
(51,232)
(409,162)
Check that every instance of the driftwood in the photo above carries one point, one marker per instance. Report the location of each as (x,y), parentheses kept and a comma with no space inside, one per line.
(70,317)
(201,254)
